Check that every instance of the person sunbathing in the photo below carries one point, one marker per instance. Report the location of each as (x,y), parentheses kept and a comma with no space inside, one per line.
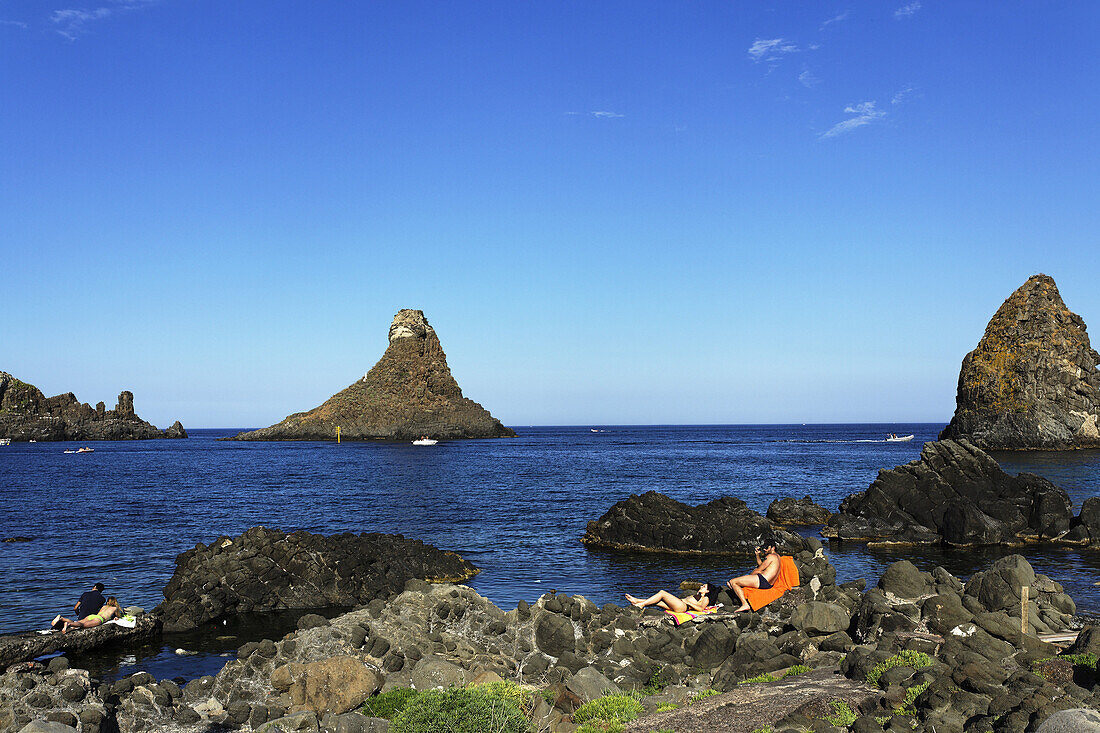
(765,574)
(704,598)
(109,611)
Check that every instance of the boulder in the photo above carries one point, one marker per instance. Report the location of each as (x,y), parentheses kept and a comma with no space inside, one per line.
(904,580)
(1031,383)
(654,522)
(954,494)
(266,569)
(409,393)
(820,619)
(27,414)
(1074,720)
(554,634)
(797,512)
(334,685)
(432,673)
(588,684)
(29,645)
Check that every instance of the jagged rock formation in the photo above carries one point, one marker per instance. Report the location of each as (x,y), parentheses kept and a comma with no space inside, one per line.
(265,569)
(955,494)
(409,393)
(1032,382)
(27,414)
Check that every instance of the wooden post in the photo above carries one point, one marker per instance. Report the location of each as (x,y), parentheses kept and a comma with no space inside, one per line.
(337,435)
(1023,610)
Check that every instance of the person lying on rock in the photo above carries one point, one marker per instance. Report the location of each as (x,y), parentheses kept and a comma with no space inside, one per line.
(763,577)
(704,598)
(109,611)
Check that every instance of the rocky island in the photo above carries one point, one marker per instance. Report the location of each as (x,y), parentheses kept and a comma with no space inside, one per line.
(27,414)
(409,393)
(1032,381)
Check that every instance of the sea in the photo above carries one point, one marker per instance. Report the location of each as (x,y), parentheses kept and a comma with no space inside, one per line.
(516,508)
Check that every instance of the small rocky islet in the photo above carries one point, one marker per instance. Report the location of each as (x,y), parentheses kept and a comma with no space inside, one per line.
(1032,381)
(27,414)
(409,393)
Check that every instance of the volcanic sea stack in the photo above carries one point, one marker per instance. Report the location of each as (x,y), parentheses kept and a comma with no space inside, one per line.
(409,393)
(27,414)
(1031,383)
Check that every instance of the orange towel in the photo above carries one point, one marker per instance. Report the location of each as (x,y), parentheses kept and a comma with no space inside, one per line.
(787,579)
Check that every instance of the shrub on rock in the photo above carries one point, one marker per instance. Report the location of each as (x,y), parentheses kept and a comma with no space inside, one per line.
(460,710)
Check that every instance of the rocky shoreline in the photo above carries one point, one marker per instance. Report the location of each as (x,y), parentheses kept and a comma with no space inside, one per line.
(914,650)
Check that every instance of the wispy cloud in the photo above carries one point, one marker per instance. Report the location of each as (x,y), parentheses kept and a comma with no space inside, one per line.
(807,79)
(16,23)
(602,114)
(72,22)
(836,19)
(908,10)
(862,114)
(902,94)
(770,49)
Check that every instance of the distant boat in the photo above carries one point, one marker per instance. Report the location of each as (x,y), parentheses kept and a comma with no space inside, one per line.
(5,441)
(70,451)
(84,450)
(425,441)
(891,438)
(32,440)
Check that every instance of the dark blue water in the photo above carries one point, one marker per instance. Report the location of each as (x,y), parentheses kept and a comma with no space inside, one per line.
(516,508)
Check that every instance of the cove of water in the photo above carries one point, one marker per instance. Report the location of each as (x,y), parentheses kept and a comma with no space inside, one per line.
(516,508)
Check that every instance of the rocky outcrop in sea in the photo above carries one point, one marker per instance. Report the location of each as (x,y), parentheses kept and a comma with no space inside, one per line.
(266,569)
(27,414)
(917,650)
(789,512)
(1032,382)
(409,393)
(653,522)
(954,494)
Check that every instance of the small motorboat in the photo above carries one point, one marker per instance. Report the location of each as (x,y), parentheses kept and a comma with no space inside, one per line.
(92,450)
(5,441)
(891,438)
(425,441)
(32,440)
(70,451)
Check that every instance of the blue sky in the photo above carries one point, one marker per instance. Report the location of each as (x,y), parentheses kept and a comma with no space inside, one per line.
(707,212)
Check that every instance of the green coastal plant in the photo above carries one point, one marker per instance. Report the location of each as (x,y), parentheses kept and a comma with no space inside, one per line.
(610,708)
(667,706)
(904,658)
(842,716)
(767,677)
(704,694)
(388,704)
(459,710)
(908,706)
(508,691)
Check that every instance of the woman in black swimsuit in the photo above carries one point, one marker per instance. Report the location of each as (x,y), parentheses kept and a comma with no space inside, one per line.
(767,569)
(704,598)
